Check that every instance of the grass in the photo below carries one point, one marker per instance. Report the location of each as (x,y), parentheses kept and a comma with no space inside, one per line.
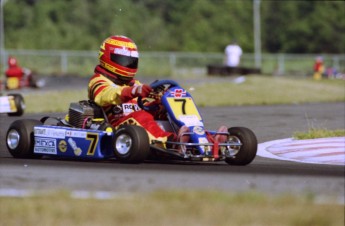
(318,133)
(52,101)
(256,90)
(261,90)
(170,208)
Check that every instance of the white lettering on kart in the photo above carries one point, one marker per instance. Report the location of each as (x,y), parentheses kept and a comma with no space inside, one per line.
(129,108)
(49,132)
(77,134)
(190,120)
(5,105)
(45,146)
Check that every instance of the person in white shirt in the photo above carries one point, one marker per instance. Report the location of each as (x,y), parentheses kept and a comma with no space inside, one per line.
(233,54)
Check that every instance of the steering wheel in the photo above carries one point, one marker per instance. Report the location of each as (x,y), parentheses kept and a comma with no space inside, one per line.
(157,86)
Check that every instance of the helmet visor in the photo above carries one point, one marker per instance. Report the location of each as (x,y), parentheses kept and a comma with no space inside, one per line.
(125,61)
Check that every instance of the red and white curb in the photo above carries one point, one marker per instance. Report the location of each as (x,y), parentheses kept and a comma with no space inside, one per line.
(318,151)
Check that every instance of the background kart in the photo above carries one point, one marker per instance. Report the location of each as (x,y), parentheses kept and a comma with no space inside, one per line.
(12,104)
(88,135)
(28,80)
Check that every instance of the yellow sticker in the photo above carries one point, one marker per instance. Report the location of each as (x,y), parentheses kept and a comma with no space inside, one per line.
(12,83)
(183,106)
(62,146)
(13,107)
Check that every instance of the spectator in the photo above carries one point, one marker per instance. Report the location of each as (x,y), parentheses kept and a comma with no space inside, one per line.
(233,54)
(319,68)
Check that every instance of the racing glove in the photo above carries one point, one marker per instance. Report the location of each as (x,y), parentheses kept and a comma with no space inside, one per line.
(129,93)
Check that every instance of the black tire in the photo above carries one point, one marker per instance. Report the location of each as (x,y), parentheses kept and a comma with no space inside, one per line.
(131,144)
(36,82)
(20,105)
(20,138)
(247,151)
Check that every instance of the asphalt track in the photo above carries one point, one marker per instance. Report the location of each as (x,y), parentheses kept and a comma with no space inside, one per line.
(269,176)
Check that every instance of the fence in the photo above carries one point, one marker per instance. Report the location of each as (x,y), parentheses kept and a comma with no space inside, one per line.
(167,64)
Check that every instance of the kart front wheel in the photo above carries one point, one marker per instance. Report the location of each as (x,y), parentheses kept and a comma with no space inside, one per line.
(247,151)
(131,144)
(20,138)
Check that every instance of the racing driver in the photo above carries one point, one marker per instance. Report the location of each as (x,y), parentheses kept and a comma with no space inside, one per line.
(15,71)
(114,88)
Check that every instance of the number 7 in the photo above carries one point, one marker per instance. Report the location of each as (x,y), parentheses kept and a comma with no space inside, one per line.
(93,138)
(183,104)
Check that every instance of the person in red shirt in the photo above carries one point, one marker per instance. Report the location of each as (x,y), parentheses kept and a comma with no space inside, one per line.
(319,68)
(15,75)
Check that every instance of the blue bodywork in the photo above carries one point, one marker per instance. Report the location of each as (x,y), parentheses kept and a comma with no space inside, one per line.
(73,142)
(96,144)
(183,111)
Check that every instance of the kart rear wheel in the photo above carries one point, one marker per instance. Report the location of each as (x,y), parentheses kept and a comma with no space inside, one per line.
(247,151)
(19,103)
(37,82)
(131,144)
(20,138)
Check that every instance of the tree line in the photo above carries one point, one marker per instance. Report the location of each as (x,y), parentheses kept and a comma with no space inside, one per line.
(171,25)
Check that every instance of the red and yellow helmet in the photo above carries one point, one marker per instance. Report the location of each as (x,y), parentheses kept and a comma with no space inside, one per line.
(12,62)
(119,55)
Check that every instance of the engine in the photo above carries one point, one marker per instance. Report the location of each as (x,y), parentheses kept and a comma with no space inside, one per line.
(82,112)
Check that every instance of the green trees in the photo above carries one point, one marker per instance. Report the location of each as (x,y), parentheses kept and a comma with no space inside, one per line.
(304,26)
(170,25)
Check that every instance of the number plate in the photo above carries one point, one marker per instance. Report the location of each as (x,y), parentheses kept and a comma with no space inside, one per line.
(183,106)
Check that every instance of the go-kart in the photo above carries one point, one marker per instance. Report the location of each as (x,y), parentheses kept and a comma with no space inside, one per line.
(87,134)
(12,104)
(29,79)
